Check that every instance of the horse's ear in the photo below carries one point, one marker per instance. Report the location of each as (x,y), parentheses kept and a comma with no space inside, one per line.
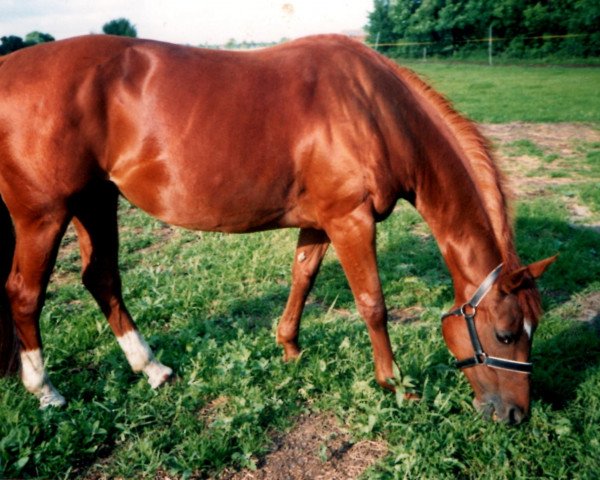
(524,276)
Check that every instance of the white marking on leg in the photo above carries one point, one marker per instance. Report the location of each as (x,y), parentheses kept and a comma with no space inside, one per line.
(157,373)
(136,350)
(527,327)
(36,381)
(141,358)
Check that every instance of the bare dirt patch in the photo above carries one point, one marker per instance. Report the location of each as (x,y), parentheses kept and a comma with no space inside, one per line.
(316,449)
(405,315)
(589,310)
(558,137)
(556,157)
(530,174)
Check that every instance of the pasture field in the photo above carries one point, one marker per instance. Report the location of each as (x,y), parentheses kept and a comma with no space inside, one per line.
(517,93)
(208,304)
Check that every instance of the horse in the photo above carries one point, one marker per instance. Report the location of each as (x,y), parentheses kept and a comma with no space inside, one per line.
(322,134)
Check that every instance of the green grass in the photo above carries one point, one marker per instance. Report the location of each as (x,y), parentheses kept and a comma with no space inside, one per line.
(208,305)
(512,93)
(524,147)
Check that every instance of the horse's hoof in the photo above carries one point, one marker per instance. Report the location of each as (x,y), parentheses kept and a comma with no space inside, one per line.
(291,353)
(413,397)
(52,399)
(290,356)
(157,374)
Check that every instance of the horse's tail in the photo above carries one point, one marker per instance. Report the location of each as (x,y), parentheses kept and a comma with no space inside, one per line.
(9,345)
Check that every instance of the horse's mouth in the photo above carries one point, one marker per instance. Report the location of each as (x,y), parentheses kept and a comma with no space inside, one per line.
(493,409)
(486,409)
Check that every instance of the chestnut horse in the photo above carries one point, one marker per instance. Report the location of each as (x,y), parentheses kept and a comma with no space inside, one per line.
(322,134)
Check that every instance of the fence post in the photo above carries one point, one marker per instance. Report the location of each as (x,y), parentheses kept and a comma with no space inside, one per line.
(490,47)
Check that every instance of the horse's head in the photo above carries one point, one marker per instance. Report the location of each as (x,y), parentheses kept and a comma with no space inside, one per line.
(491,338)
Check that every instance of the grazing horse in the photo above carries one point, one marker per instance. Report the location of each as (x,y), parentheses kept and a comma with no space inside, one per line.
(322,134)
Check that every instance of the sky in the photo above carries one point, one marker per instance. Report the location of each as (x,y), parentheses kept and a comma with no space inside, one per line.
(194,22)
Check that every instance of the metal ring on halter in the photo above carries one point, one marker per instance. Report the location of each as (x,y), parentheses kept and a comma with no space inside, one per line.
(463,311)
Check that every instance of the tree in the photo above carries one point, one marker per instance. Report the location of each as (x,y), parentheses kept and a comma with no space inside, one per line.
(521,28)
(11,43)
(380,27)
(121,27)
(35,37)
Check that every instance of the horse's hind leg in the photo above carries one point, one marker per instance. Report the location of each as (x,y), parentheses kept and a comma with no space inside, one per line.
(353,238)
(96,225)
(37,241)
(311,248)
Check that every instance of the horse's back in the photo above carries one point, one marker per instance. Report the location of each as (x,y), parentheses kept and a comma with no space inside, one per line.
(206,139)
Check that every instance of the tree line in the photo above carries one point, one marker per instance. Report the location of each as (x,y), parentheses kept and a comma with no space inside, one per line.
(519,28)
(11,43)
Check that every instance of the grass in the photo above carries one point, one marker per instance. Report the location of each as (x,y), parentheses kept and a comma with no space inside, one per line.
(516,93)
(208,305)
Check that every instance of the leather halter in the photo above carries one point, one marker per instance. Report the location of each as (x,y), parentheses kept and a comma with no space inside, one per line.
(468,311)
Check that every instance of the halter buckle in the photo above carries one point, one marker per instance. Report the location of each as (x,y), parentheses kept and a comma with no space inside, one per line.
(481,358)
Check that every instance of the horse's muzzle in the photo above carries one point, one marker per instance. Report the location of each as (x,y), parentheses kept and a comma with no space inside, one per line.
(495,409)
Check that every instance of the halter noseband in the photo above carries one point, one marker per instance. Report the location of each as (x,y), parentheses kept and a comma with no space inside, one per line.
(468,311)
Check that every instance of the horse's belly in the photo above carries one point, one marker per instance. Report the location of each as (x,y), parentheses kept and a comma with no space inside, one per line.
(193,204)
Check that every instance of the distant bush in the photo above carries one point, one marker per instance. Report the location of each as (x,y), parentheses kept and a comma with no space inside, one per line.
(12,43)
(525,29)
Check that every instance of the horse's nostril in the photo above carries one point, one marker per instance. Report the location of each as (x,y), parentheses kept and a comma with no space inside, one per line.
(515,415)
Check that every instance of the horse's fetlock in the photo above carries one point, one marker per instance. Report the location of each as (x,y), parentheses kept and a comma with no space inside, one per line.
(383,382)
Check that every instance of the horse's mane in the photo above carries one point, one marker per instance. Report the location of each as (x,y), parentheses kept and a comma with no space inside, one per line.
(479,163)
(478,159)
(487,177)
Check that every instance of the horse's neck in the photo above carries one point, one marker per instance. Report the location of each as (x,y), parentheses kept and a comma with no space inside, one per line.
(442,163)
(449,201)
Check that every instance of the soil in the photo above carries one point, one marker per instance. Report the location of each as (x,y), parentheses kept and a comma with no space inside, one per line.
(531,175)
(589,310)
(557,137)
(316,449)
(562,140)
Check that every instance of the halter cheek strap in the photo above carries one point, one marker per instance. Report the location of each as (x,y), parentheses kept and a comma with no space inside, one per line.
(468,312)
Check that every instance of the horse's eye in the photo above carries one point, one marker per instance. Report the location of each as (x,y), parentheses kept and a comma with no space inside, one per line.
(506,337)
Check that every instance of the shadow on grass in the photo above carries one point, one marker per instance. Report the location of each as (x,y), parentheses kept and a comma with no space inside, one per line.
(566,359)
(562,361)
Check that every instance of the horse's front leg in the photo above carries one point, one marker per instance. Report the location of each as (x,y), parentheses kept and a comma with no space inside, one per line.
(96,225)
(353,238)
(311,248)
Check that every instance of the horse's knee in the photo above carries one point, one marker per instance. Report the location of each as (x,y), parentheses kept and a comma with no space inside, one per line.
(373,310)
(24,300)
(302,279)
